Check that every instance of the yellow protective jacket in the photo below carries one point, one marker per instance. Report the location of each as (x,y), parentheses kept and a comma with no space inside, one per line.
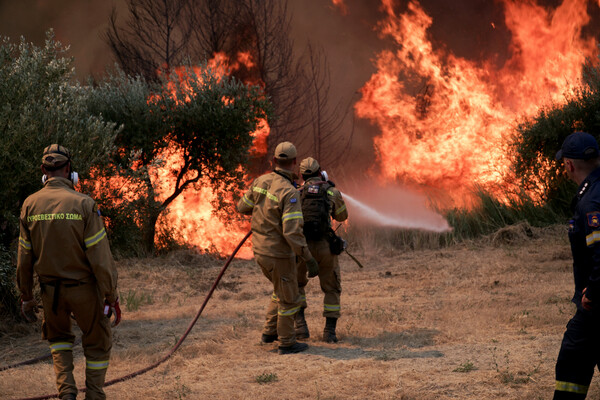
(62,237)
(274,204)
(336,202)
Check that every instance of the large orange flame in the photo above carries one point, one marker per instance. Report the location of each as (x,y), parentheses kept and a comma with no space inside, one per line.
(444,120)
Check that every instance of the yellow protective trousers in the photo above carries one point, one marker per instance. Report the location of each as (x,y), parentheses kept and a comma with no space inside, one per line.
(84,302)
(329,278)
(285,300)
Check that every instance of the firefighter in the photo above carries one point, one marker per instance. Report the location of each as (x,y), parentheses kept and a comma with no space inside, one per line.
(580,349)
(277,239)
(325,202)
(62,239)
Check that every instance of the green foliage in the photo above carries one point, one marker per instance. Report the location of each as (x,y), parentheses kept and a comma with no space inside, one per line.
(9,299)
(40,106)
(266,378)
(537,140)
(133,300)
(492,214)
(507,375)
(124,100)
(467,366)
(206,118)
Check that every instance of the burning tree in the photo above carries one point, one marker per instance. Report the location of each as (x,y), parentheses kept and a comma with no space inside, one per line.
(537,139)
(255,36)
(190,129)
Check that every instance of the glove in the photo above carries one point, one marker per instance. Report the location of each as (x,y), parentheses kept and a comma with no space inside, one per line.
(28,309)
(313,267)
(113,308)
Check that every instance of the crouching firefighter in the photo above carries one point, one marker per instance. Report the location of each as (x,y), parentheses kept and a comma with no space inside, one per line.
(321,201)
(62,239)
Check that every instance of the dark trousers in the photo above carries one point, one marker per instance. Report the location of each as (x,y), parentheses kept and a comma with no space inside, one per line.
(579,355)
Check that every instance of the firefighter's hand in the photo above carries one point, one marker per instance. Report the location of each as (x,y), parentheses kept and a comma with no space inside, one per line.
(28,309)
(113,308)
(313,267)
(585,302)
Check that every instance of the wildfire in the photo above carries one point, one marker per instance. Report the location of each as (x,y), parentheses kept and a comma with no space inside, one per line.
(191,214)
(444,120)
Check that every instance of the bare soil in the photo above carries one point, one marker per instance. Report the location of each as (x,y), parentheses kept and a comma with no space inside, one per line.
(479,320)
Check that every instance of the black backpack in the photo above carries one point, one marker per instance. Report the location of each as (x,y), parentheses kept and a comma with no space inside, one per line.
(315,210)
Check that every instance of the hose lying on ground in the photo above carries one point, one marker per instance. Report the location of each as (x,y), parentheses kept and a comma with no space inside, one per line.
(186,333)
(34,360)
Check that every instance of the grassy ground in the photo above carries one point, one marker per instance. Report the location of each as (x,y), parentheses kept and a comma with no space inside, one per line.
(479,320)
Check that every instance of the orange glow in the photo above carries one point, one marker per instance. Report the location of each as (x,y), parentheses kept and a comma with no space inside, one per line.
(245,59)
(191,214)
(445,121)
(341,6)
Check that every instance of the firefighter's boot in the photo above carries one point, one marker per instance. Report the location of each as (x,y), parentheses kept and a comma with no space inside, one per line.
(301,325)
(95,373)
(63,367)
(268,338)
(295,348)
(329,331)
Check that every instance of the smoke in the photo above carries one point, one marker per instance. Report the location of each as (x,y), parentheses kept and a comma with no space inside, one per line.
(77,24)
(392,207)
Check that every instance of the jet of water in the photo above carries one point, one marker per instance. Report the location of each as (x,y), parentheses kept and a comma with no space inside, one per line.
(418,218)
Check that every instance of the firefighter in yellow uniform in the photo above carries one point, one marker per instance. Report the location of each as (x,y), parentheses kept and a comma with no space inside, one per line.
(63,240)
(277,239)
(317,189)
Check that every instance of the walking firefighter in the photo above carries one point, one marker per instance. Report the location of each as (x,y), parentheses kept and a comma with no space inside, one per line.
(62,239)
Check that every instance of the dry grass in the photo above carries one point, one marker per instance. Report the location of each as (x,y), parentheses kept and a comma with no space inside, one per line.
(479,320)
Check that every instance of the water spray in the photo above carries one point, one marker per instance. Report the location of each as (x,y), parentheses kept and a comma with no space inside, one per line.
(425,220)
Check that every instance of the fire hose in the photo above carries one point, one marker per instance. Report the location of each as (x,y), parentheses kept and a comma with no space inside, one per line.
(345,249)
(177,345)
(34,360)
(354,259)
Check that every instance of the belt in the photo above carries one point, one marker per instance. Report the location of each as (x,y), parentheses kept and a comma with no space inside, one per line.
(56,284)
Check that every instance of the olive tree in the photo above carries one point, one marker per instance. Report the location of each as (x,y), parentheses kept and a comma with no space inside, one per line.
(208,119)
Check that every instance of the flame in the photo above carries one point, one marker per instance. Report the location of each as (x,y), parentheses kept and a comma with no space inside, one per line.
(341,6)
(445,121)
(191,214)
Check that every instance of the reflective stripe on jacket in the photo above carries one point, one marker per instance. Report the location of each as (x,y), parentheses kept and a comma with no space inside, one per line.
(274,204)
(62,237)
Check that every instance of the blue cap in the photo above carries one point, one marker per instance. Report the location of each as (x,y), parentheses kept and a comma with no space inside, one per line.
(578,146)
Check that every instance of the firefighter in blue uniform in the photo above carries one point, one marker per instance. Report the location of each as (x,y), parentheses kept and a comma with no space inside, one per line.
(580,349)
